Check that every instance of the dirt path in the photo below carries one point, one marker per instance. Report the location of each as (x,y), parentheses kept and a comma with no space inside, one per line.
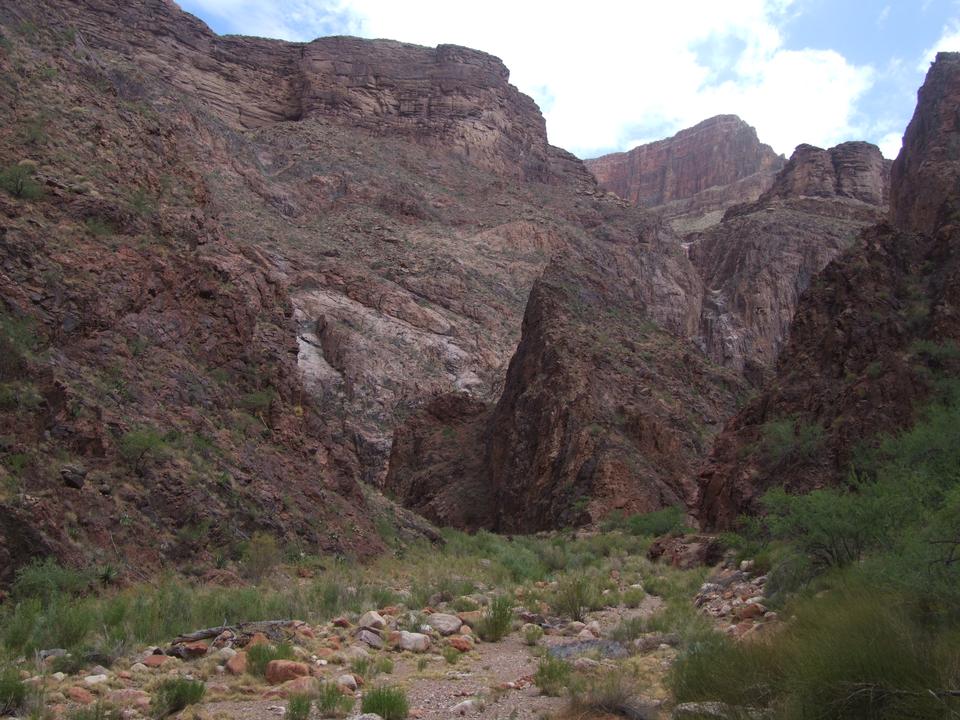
(499,675)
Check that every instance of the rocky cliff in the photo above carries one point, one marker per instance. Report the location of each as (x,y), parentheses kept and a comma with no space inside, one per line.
(759,260)
(693,175)
(221,297)
(869,340)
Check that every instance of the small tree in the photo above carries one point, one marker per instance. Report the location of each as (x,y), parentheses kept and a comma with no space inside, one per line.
(138,447)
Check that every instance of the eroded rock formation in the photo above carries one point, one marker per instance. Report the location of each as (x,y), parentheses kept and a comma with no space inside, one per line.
(861,358)
(694,175)
(759,260)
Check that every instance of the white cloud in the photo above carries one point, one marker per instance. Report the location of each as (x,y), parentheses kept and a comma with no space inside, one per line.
(614,72)
(890,144)
(949,41)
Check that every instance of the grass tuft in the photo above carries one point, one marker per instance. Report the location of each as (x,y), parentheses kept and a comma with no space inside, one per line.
(390,703)
(172,696)
(497,621)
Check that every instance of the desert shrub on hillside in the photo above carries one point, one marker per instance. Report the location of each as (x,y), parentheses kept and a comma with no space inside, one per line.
(18,180)
(141,446)
(260,555)
(789,439)
(575,596)
(851,653)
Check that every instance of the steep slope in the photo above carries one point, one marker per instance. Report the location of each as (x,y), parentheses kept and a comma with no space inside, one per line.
(869,339)
(217,296)
(758,261)
(692,177)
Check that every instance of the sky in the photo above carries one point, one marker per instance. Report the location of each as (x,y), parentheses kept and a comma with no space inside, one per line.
(612,74)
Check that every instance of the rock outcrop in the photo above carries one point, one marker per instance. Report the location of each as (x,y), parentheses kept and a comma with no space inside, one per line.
(758,261)
(854,170)
(862,356)
(698,172)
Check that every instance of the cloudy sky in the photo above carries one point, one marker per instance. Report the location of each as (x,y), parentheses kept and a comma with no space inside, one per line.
(609,75)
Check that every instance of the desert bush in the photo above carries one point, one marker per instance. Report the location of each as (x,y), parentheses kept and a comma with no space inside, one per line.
(13,692)
(450,654)
(18,181)
(789,439)
(139,447)
(849,653)
(298,707)
(629,629)
(330,701)
(46,579)
(532,634)
(497,621)
(173,695)
(553,675)
(614,693)
(390,703)
(659,522)
(260,555)
(575,596)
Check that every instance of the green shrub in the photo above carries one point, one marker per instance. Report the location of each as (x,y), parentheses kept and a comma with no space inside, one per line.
(173,695)
(575,596)
(257,402)
(609,692)
(298,707)
(789,439)
(629,629)
(656,523)
(18,181)
(259,656)
(46,579)
(853,653)
(553,675)
(99,227)
(450,654)
(532,634)
(138,447)
(13,692)
(260,555)
(497,621)
(330,701)
(390,703)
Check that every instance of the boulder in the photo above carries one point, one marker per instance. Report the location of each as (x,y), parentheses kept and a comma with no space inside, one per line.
(279,671)
(414,642)
(444,624)
(237,664)
(80,695)
(372,619)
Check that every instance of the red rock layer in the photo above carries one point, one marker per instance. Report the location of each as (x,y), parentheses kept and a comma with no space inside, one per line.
(719,152)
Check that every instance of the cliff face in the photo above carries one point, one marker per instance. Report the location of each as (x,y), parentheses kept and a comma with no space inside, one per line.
(759,260)
(248,268)
(862,354)
(854,170)
(450,97)
(707,168)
